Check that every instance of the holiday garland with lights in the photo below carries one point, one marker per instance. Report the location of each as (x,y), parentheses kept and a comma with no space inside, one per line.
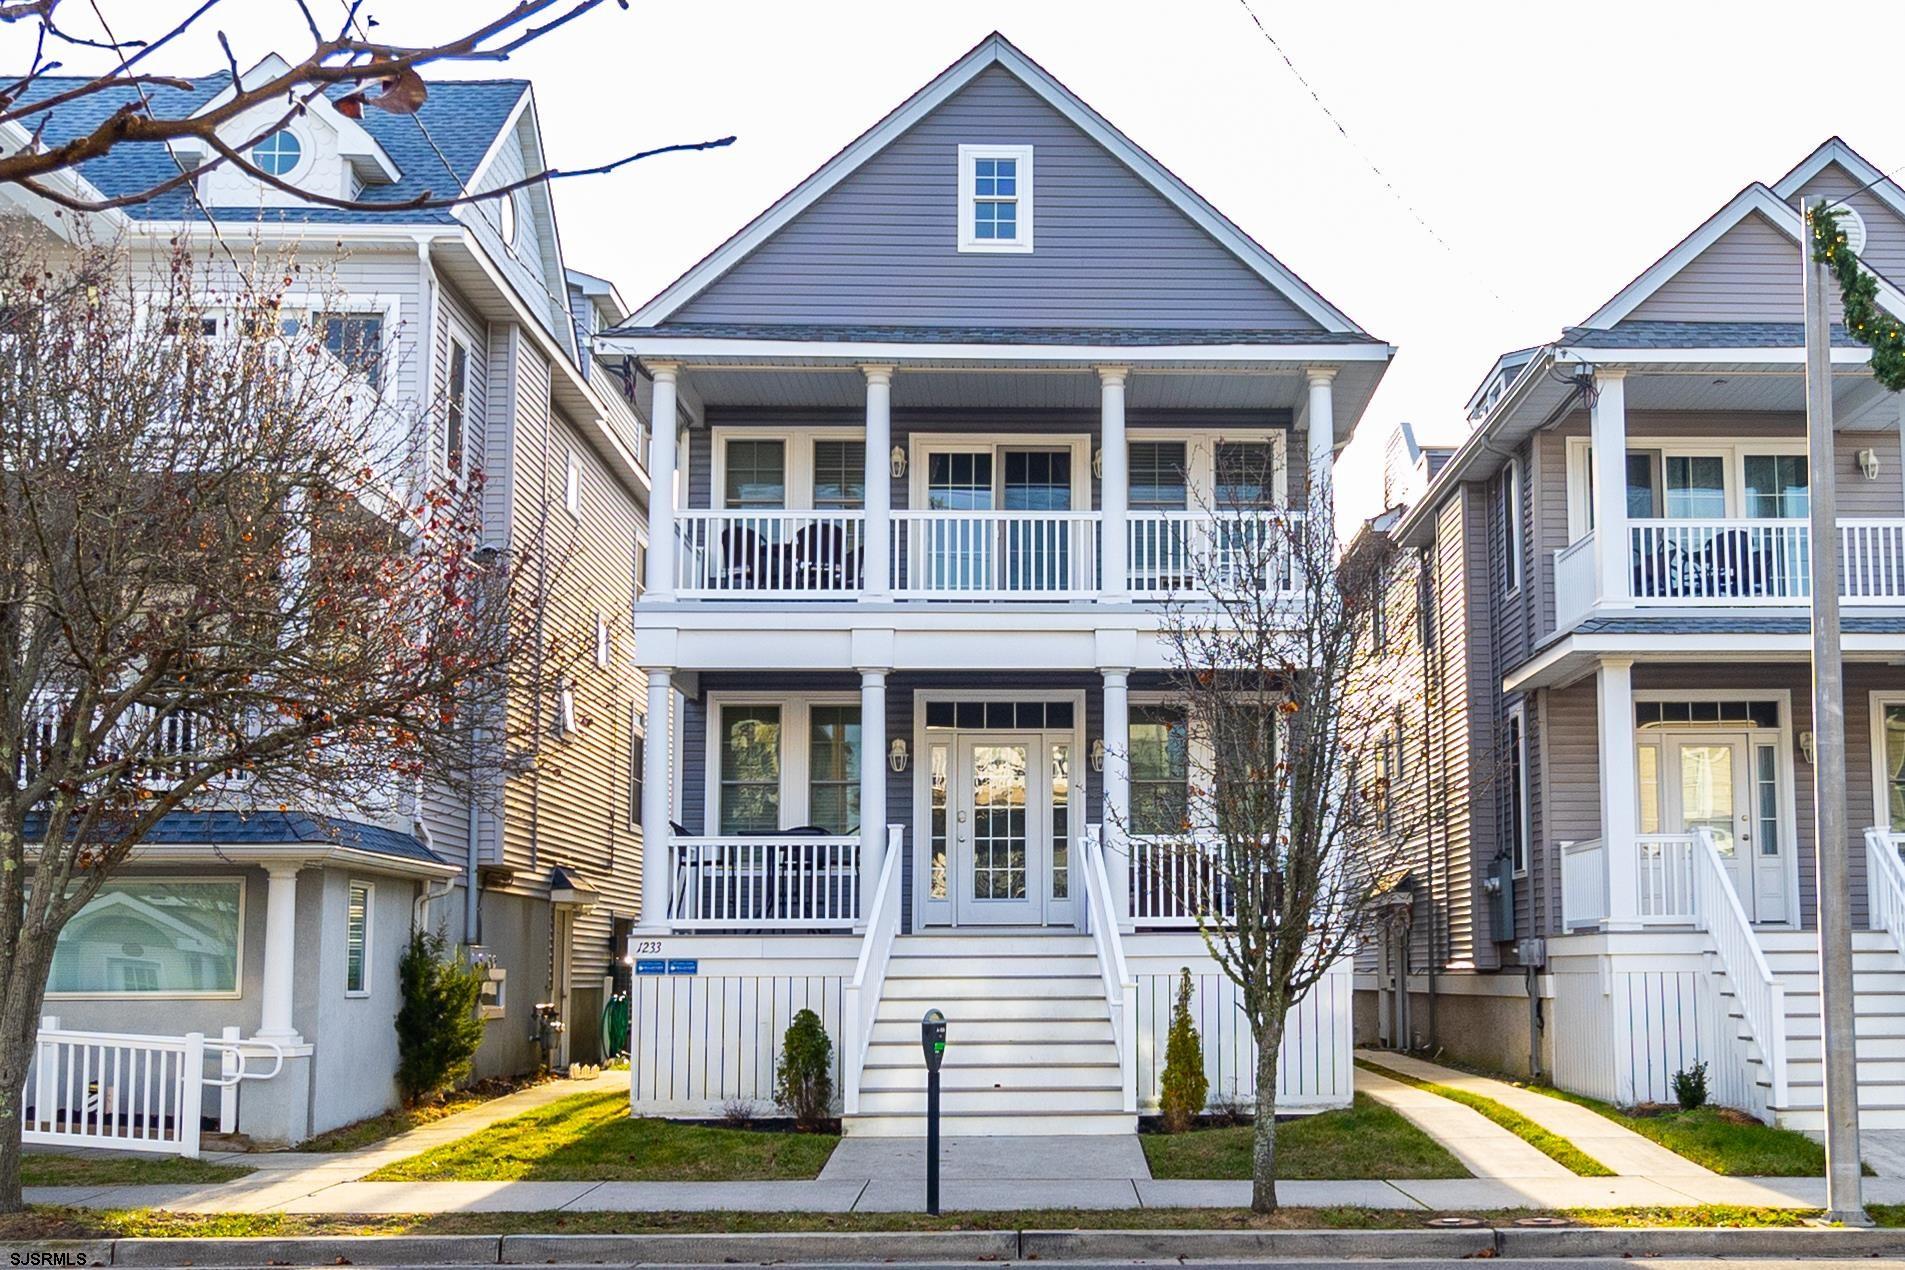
(1865,321)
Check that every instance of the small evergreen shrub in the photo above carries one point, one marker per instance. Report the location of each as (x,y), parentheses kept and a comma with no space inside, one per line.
(438,1029)
(1182,1091)
(1690,1087)
(803,1084)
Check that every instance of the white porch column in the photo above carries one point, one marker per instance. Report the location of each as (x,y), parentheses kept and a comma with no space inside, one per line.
(1608,433)
(658,748)
(1322,435)
(1114,499)
(661,494)
(1117,787)
(877,563)
(281,948)
(1620,817)
(872,784)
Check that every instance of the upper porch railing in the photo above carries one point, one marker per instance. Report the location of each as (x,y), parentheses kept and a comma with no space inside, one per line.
(976,555)
(1734,562)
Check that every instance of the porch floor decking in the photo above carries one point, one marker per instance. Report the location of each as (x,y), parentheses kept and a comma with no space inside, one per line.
(1620,1149)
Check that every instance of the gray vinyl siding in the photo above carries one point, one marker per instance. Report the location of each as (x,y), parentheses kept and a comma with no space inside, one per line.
(1750,273)
(881,247)
(529,263)
(1884,230)
(1570,808)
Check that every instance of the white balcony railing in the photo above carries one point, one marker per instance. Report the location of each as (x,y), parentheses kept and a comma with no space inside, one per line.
(1175,552)
(767,554)
(1574,581)
(1752,562)
(1583,883)
(773,882)
(995,555)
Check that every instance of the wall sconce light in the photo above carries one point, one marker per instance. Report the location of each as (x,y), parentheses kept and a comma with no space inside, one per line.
(896,461)
(896,754)
(1869,464)
(1098,755)
(1098,463)
(1806,746)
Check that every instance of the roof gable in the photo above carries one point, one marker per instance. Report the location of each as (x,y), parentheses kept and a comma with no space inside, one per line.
(871,237)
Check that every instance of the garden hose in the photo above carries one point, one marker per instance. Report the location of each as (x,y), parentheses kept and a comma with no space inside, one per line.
(615,1026)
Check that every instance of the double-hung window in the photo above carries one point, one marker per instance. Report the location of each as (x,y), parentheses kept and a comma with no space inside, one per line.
(839,474)
(750,769)
(637,759)
(356,340)
(1160,770)
(455,407)
(995,198)
(833,768)
(1511,527)
(756,474)
(1518,799)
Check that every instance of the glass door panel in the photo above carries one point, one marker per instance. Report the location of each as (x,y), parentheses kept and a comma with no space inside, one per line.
(1037,548)
(1696,486)
(1709,786)
(997,824)
(958,552)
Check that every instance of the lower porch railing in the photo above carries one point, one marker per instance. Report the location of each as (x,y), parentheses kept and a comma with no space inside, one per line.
(130,1092)
(777,882)
(1664,879)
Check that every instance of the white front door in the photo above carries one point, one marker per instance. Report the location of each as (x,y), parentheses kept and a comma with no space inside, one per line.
(1711,784)
(999,846)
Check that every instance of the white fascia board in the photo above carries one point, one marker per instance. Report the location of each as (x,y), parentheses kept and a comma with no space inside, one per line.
(654,346)
(15,137)
(309,853)
(994,51)
(1632,357)
(497,142)
(1877,183)
(1754,198)
(353,140)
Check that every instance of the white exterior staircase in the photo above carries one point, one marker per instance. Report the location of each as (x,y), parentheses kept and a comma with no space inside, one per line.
(1878,976)
(1030,1046)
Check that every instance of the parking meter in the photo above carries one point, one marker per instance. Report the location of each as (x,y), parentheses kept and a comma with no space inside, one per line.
(932,1042)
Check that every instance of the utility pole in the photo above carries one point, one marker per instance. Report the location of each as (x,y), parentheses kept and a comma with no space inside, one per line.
(1844,1202)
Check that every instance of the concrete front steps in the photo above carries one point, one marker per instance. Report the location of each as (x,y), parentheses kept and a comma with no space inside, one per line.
(1029,1046)
(1878,977)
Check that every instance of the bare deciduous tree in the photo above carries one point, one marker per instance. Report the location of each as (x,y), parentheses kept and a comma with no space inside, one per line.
(226,581)
(377,75)
(1285,833)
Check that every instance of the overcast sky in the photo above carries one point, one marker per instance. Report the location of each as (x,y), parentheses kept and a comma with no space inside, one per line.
(1552,151)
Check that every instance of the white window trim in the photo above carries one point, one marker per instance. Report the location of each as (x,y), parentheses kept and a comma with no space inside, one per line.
(305,306)
(1200,457)
(797,461)
(1881,804)
(796,722)
(572,484)
(307,155)
(602,642)
(461,471)
(238,991)
(1514,567)
(1021,245)
(919,444)
(370,923)
(637,727)
(1734,452)
(1522,851)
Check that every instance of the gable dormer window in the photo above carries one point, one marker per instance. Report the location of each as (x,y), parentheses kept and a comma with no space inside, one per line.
(995,198)
(278,154)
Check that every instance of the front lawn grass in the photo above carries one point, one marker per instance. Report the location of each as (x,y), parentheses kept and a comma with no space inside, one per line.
(46,1168)
(370,1131)
(48,1222)
(592,1138)
(1728,1142)
(1366,1140)
(1552,1145)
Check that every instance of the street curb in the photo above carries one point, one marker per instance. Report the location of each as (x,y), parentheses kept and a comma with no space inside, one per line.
(1767,1241)
(361,1250)
(1160,1245)
(950,1245)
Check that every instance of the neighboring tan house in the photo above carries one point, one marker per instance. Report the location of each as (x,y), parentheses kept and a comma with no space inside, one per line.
(1615,740)
(288,927)
(925,421)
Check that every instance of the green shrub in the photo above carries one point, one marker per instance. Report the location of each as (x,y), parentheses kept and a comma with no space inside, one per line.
(1690,1087)
(803,1084)
(1182,1091)
(438,1029)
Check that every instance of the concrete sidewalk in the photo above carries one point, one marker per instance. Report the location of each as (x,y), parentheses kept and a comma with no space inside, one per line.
(1483,1147)
(1615,1146)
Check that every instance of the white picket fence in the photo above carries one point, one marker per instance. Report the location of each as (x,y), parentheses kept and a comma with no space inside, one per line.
(133,1093)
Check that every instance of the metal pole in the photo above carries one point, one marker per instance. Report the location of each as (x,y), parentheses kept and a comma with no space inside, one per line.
(932,1142)
(1844,1202)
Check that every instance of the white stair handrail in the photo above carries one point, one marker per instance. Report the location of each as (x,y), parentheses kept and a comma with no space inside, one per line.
(1885,884)
(1121,990)
(862,999)
(1762,998)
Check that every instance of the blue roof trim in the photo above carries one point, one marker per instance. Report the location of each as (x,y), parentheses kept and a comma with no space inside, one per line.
(1051,335)
(272,828)
(463,119)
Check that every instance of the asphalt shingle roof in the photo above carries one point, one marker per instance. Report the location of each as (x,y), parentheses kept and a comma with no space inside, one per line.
(1649,334)
(461,117)
(1147,336)
(1684,624)
(270,828)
